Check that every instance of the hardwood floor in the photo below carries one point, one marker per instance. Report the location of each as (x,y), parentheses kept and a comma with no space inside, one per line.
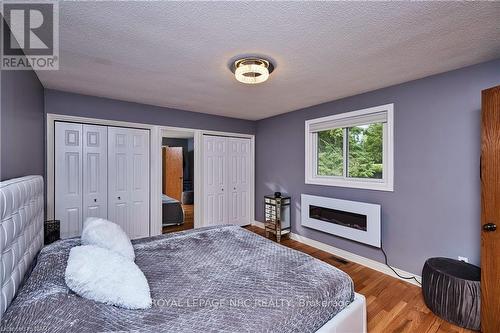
(188,220)
(392,305)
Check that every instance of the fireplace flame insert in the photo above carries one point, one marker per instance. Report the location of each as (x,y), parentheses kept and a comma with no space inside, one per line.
(342,218)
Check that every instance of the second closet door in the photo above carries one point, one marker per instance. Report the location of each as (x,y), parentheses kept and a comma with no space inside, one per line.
(226,181)
(128,180)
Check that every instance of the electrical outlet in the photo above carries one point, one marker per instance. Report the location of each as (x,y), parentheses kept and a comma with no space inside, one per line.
(465,259)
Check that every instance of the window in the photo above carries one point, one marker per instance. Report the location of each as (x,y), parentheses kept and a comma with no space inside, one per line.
(353,149)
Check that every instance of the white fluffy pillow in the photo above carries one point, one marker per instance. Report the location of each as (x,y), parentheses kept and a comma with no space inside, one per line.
(104,276)
(106,234)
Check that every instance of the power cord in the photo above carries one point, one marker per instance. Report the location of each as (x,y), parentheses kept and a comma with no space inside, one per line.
(402,277)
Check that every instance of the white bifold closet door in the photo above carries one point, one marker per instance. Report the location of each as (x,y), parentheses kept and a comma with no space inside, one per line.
(101,171)
(81,175)
(68,178)
(226,183)
(128,190)
(214,179)
(95,171)
(238,181)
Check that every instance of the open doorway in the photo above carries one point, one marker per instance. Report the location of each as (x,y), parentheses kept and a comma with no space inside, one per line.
(177,181)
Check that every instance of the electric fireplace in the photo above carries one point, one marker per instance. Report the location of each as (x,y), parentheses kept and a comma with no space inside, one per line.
(353,220)
(340,217)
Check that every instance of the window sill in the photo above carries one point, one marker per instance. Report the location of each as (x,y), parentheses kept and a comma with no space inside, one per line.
(355,183)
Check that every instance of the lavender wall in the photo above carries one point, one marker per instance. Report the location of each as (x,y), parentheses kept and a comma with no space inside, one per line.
(435,207)
(22,125)
(104,108)
(433,211)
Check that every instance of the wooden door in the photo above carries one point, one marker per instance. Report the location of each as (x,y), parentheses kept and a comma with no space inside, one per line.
(490,211)
(172,172)
(68,180)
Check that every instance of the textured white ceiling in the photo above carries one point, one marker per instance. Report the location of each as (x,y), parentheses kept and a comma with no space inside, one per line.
(176,54)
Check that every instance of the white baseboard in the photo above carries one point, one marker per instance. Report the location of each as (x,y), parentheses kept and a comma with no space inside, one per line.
(370,263)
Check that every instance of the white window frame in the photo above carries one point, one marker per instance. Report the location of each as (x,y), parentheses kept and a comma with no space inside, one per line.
(311,153)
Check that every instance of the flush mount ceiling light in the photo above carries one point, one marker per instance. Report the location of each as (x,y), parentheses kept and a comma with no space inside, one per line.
(252,70)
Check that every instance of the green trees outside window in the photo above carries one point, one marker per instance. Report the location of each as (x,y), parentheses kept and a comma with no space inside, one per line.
(364,152)
(331,152)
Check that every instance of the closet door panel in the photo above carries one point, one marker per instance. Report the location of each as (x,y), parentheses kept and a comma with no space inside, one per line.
(239,180)
(120,214)
(95,171)
(139,190)
(234,209)
(214,180)
(244,177)
(68,178)
(118,187)
(128,183)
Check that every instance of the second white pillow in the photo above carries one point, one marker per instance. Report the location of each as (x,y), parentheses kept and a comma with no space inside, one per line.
(108,235)
(105,276)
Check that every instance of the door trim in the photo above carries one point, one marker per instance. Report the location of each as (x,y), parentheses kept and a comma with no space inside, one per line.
(156,133)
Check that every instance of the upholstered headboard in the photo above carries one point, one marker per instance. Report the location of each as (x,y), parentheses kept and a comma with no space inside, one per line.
(21,232)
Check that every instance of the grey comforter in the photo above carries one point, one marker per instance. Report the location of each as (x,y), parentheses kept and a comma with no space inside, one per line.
(216,279)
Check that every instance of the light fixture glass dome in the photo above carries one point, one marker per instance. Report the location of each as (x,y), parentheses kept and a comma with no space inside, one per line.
(252,70)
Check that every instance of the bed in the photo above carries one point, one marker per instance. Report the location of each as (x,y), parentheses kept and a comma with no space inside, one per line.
(172,213)
(214,279)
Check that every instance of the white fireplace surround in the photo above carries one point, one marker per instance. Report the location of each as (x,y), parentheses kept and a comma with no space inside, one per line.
(371,236)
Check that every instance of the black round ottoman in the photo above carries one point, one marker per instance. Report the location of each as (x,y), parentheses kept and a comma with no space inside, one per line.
(452,291)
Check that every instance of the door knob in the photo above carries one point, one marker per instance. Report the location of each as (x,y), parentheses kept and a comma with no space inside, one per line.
(95,200)
(119,198)
(488,227)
